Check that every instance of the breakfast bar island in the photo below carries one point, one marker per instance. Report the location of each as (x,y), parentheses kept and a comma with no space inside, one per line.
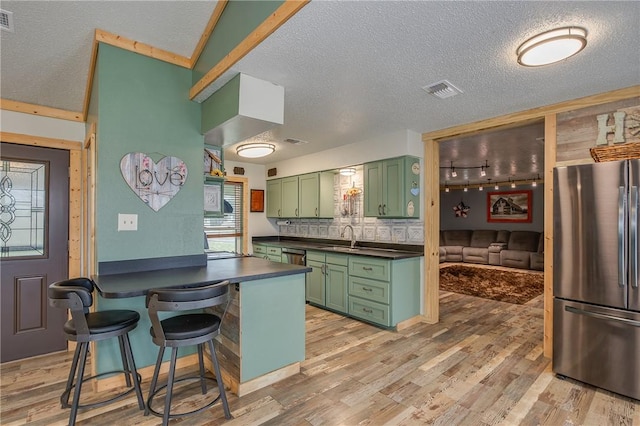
(262,336)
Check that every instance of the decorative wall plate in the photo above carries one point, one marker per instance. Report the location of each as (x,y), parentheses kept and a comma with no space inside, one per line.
(154,183)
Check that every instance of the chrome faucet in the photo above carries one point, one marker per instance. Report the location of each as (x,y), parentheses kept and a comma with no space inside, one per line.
(353,235)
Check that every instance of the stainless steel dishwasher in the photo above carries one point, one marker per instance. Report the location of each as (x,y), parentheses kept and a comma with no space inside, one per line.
(294,256)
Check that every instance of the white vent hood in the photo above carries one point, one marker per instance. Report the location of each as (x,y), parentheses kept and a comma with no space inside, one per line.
(241,109)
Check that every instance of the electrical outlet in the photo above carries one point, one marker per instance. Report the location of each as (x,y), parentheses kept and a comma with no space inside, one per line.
(127,222)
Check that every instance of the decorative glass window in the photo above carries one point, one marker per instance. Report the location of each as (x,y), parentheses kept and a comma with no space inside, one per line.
(23,196)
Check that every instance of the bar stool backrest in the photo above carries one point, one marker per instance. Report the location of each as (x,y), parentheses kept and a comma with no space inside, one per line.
(184,299)
(76,295)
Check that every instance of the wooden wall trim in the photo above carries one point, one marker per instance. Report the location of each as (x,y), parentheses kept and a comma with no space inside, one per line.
(213,21)
(22,139)
(141,48)
(266,28)
(40,110)
(550,146)
(533,114)
(92,68)
(431,276)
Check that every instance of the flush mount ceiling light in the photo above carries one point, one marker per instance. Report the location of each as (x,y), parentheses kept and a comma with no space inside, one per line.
(349,171)
(552,46)
(255,150)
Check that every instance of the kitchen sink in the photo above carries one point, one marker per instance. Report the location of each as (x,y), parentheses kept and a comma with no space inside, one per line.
(346,249)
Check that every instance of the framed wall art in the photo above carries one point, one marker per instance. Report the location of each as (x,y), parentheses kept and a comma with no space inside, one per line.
(257,200)
(509,206)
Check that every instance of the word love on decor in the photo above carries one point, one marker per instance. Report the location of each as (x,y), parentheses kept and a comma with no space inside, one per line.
(154,183)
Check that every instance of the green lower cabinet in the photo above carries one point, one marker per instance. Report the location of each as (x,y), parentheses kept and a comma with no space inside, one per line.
(315,282)
(382,291)
(327,281)
(271,253)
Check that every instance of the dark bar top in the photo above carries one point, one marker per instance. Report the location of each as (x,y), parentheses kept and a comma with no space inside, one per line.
(235,270)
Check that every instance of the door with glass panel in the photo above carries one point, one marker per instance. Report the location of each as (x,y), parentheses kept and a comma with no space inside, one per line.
(34,228)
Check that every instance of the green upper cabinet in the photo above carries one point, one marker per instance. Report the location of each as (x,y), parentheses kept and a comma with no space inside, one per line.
(290,197)
(274,198)
(392,188)
(309,195)
(316,195)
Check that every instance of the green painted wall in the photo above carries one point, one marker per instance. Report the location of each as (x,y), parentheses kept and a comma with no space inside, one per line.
(239,18)
(222,105)
(144,107)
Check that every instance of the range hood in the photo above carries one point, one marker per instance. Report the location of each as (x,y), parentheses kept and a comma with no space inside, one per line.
(241,109)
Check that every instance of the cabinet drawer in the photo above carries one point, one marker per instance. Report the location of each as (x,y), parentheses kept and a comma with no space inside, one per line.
(275,258)
(368,267)
(338,259)
(315,256)
(369,289)
(274,251)
(259,249)
(370,311)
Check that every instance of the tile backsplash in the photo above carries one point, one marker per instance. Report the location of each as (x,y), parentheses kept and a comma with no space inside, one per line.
(350,211)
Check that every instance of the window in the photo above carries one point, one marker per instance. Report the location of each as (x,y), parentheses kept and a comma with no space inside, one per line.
(227,233)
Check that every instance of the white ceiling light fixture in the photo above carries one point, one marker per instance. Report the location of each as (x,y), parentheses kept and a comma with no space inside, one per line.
(255,150)
(349,171)
(552,46)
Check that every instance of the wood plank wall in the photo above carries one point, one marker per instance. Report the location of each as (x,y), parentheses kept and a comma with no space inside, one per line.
(578,130)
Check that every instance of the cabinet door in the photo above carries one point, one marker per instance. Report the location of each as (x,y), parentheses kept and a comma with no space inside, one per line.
(373,189)
(274,198)
(337,288)
(326,204)
(308,195)
(315,282)
(393,191)
(290,197)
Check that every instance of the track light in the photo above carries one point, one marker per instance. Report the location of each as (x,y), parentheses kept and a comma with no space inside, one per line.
(483,169)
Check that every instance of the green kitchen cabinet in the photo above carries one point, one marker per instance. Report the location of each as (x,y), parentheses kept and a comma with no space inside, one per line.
(290,197)
(268,252)
(274,198)
(384,291)
(315,195)
(327,284)
(392,188)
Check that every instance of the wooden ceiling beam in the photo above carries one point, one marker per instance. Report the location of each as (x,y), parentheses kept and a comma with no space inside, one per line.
(213,21)
(261,32)
(40,110)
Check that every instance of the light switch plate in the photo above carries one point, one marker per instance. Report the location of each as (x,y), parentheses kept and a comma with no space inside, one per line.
(127,222)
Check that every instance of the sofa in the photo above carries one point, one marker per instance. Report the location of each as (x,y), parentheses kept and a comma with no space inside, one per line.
(515,249)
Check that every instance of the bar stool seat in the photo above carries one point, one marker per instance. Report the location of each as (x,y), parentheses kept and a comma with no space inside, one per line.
(186,329)
(85,327)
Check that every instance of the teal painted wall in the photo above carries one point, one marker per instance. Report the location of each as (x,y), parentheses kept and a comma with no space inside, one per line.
(223,105)
(237,21)
(144,107)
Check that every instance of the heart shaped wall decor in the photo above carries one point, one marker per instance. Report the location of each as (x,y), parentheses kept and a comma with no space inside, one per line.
(154,183)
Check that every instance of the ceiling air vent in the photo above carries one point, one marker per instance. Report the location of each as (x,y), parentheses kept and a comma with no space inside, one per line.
(295,141)
(6,20)
(442,89)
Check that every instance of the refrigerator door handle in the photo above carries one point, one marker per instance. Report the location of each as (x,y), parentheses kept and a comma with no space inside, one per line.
(633,237)
(622,250)
(601,316)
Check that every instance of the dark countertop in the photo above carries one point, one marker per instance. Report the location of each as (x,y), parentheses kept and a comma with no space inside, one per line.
(363,248)
(235,270)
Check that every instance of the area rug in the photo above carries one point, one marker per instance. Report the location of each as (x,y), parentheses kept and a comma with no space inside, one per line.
(495,284)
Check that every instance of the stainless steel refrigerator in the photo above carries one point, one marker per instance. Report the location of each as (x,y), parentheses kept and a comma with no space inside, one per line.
(596,308)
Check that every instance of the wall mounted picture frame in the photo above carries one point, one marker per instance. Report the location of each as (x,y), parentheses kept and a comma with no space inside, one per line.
(510,206)
(257,200)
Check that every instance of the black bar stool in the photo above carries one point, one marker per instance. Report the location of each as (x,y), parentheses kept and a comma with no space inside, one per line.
(186,330)
(85,327)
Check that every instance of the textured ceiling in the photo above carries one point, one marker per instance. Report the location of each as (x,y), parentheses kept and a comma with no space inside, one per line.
(351,69)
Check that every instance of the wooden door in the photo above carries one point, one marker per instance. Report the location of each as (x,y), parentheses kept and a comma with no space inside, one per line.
(34,219)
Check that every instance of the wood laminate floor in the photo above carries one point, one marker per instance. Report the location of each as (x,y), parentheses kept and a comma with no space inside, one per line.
(481,365)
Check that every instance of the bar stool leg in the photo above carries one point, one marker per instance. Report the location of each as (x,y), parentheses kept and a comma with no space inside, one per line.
(131,365)
(84,346)
(127,377)
(154,380)
(203,382)
(167,400)
(72,374)
(216,367)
